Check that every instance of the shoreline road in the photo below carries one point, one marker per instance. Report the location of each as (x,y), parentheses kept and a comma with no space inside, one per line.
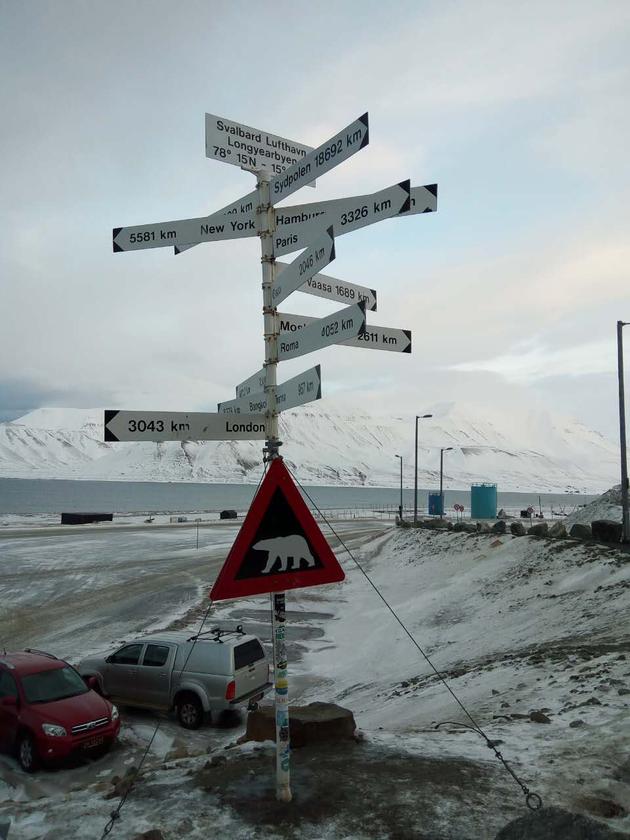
(80,591)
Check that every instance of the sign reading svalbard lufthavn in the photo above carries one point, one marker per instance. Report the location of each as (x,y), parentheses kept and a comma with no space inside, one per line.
(279,546)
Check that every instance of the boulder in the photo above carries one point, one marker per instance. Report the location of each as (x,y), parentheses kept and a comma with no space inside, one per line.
(152,834)
(581,532)
(483,528)
(541,529)
(539,717)
(459,526)
(313,724)
(556,824)
(499,527)
(517,529)
(558,531)
(605,530)
(470,527)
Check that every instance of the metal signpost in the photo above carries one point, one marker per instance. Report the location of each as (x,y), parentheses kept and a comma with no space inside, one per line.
(278,527)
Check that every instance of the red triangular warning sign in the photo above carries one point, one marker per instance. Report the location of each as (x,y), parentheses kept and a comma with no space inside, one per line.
(279,546)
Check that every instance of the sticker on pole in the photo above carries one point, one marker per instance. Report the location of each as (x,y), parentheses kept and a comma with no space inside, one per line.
(279,546)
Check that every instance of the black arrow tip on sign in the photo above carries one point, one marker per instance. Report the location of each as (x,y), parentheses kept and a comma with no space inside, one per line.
(116,246)
(408,334)
(319,382)
(176,250)
(373,308)
(406,186)
(366,138)
(432,189)
(109,416)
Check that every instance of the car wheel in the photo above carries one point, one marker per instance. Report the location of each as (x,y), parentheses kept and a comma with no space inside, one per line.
(27,753)
(190,712)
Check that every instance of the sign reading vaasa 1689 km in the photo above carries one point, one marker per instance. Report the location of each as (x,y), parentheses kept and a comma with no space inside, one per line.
(250,148)
(169,425)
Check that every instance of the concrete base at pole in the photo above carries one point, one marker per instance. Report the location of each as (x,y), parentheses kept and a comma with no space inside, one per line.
(281,683)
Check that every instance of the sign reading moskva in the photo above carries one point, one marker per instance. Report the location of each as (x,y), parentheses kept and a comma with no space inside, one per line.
(373,338)
(347,323)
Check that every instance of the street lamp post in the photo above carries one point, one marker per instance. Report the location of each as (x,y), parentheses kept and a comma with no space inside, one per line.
(415,481)
(400,506)
(442,451)
(625,519)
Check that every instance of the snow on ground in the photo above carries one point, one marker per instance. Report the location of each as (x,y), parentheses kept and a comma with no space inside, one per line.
(514,624)
(607,506)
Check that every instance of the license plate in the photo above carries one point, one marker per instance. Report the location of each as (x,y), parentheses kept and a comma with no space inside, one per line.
(93,742)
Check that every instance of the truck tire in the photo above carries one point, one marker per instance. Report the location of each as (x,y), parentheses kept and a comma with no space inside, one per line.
(189,711)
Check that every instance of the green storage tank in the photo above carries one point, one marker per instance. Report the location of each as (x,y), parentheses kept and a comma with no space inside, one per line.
(483,501)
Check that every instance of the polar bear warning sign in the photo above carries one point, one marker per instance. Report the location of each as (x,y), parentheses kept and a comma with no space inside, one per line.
(279,546)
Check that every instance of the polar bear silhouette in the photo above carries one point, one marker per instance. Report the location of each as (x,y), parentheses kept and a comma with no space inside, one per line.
(290,551)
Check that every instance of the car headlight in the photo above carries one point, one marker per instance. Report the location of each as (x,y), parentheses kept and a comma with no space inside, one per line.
(54,729)
(114,712)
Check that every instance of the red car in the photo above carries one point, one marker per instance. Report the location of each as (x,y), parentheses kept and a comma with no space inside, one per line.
(47,712)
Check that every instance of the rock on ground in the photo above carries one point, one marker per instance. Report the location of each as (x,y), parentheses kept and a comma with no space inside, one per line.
(606,530)
(517,529)
(556,824)
(312,724)
(539,530)
(581,532)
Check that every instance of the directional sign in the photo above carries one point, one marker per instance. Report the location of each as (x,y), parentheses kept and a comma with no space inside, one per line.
(296,341)
(374,338)
(297,226)
(169,425)
(303,388)
(322,159)
(250,148)
(321,285)
(279,547)
(234,221)
(423,200)
(319,255)
(253,384)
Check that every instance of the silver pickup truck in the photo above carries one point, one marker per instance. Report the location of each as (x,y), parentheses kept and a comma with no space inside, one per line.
(199,677)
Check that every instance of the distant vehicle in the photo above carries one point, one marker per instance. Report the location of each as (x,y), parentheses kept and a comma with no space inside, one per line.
(47,712)
(228,514)
(197,676)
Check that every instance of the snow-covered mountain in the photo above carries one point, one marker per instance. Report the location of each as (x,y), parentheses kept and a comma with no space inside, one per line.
(532,452)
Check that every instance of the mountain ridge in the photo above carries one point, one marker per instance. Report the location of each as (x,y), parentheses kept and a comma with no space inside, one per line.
(517,451)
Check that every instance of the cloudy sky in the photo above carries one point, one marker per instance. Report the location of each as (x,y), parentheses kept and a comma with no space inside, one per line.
(512,289)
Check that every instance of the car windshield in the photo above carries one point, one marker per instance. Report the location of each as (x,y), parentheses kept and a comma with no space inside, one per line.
(53,685)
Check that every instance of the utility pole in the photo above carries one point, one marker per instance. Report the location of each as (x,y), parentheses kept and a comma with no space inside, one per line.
(625,519)
(267,225)
(400,506)
(415,481)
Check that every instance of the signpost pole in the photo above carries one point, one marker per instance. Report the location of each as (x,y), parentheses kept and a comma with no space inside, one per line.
(266,216)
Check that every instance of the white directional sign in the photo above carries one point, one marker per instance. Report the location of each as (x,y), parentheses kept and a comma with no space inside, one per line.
(322,159)
(347,323)
(374,338)
(252,385)
(231,222)
(301,389)
(319,255)
(423,200)
(321,285)
(297,226)
(170,425)
(250,148)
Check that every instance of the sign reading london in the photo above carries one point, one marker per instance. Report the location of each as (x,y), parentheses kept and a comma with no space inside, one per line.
(178,425)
